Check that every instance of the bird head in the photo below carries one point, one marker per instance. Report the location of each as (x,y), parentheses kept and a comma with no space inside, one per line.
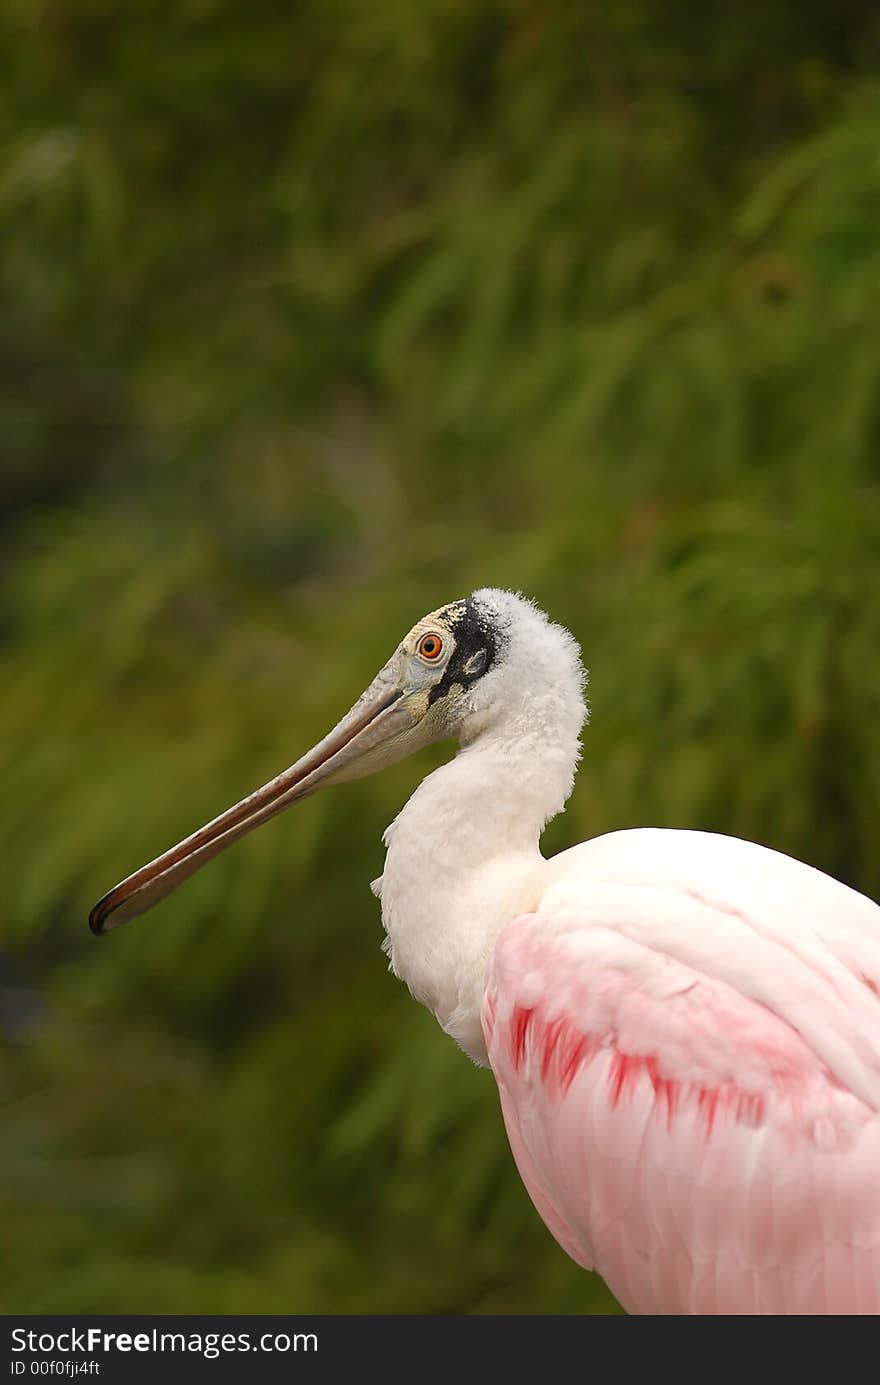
(460,670)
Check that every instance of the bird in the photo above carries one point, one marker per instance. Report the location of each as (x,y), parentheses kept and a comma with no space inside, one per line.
(684,1027)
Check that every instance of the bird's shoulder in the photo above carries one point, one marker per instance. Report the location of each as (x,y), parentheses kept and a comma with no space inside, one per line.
(685,942)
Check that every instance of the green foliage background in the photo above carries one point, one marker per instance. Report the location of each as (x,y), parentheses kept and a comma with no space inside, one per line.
(312,317)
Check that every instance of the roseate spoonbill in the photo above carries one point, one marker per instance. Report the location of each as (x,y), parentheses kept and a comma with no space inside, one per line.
(684,1027)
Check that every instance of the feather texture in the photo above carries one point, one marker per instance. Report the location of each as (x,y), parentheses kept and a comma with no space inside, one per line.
(685,1035)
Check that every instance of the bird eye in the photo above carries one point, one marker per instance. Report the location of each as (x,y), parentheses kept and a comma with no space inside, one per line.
(430,647)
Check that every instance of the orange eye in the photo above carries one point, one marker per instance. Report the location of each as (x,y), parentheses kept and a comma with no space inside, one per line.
(430,646)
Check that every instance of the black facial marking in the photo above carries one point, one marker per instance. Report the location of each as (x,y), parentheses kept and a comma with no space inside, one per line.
(476,664)
(476,647)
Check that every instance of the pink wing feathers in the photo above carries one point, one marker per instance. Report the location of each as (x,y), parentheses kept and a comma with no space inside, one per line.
(689,1073)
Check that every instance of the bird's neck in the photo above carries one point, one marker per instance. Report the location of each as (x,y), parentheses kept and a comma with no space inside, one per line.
(463,859)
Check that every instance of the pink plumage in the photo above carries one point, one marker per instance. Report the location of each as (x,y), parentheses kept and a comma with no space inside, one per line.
(689,1075)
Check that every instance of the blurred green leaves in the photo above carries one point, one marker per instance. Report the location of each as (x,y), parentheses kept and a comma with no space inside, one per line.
(310,319)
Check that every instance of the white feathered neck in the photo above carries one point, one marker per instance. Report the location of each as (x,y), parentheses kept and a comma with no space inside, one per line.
(463,855)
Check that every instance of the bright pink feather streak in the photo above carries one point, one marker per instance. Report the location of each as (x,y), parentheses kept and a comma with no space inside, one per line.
(682,1138)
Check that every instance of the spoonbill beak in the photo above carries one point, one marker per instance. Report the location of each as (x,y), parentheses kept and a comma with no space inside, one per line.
(382,726)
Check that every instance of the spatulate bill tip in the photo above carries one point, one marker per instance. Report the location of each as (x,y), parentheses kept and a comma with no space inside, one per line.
(101,915)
